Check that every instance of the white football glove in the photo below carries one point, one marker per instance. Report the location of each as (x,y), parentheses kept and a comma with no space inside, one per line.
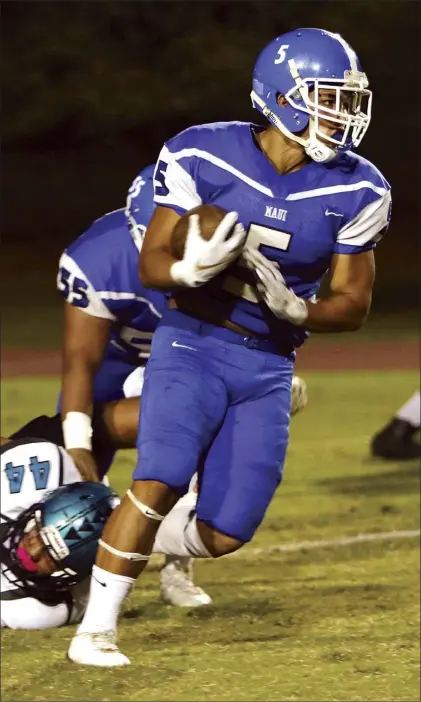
(202,259)
(282,301)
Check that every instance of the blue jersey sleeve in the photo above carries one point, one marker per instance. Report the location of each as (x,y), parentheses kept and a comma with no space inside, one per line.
(77,289)
(367,216)
(177,180)
(140,204)
(94,267)
(197,164)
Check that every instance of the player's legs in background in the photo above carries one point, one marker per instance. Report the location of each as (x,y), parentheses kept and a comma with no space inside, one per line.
(177,574)
(396,440)
(184,401)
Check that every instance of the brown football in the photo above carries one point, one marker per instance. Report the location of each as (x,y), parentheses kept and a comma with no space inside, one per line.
(210,216)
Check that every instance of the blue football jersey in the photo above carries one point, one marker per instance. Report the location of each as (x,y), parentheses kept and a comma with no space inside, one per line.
(298,220)
(98,273)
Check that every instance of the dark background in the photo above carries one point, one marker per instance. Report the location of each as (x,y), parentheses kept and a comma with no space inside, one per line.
(92,89)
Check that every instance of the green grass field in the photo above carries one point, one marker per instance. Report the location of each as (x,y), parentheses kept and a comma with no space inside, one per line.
(339,622)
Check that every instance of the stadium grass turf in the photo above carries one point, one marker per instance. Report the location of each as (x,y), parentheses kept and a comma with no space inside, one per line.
(333,623)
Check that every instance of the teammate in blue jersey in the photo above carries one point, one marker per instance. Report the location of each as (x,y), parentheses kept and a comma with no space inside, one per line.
(109,321)
(217,386)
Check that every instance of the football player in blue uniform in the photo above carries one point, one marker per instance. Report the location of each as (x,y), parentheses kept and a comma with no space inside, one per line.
(217,386)
(109,321)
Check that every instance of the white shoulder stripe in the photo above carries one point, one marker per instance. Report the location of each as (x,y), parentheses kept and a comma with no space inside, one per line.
(206,156)
(113,295)
(332,189)
(368,225)
(95,308)
(179,189)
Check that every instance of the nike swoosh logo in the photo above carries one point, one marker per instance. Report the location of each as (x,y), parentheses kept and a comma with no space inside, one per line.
(182,346)
(335,214)
(149,513)
(98,581)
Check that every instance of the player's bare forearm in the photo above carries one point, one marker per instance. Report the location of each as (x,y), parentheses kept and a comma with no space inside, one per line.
(337,313)
(77,397)
(156,259)
(154,269)
(77,386)
(347,306)
(84,346)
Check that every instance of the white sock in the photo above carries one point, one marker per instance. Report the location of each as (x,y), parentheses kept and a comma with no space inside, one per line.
(411,411)
(178,534)
(104,601)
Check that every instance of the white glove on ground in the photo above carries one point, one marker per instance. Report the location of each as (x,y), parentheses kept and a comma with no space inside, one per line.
(202,259)
(282,301)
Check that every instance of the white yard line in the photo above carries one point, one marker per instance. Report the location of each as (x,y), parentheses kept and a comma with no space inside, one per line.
(326,543)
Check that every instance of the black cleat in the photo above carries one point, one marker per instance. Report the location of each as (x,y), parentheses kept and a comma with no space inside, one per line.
(396,442)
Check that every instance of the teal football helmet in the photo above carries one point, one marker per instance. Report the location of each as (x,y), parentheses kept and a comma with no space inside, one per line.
(69,521)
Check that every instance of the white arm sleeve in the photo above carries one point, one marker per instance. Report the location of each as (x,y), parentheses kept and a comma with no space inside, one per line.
(93,305)
(173,186)
(369,223)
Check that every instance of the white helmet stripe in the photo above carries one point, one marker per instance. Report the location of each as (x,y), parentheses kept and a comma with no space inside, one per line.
(348,50)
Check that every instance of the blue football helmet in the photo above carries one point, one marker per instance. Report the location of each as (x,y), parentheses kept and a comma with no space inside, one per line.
(69,520)
(140,199)
(299,65)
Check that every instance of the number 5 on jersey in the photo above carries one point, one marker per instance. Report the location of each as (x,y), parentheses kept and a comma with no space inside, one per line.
(159,178)
(257,236)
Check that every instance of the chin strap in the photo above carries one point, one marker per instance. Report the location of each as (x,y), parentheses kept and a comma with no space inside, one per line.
(316,149)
